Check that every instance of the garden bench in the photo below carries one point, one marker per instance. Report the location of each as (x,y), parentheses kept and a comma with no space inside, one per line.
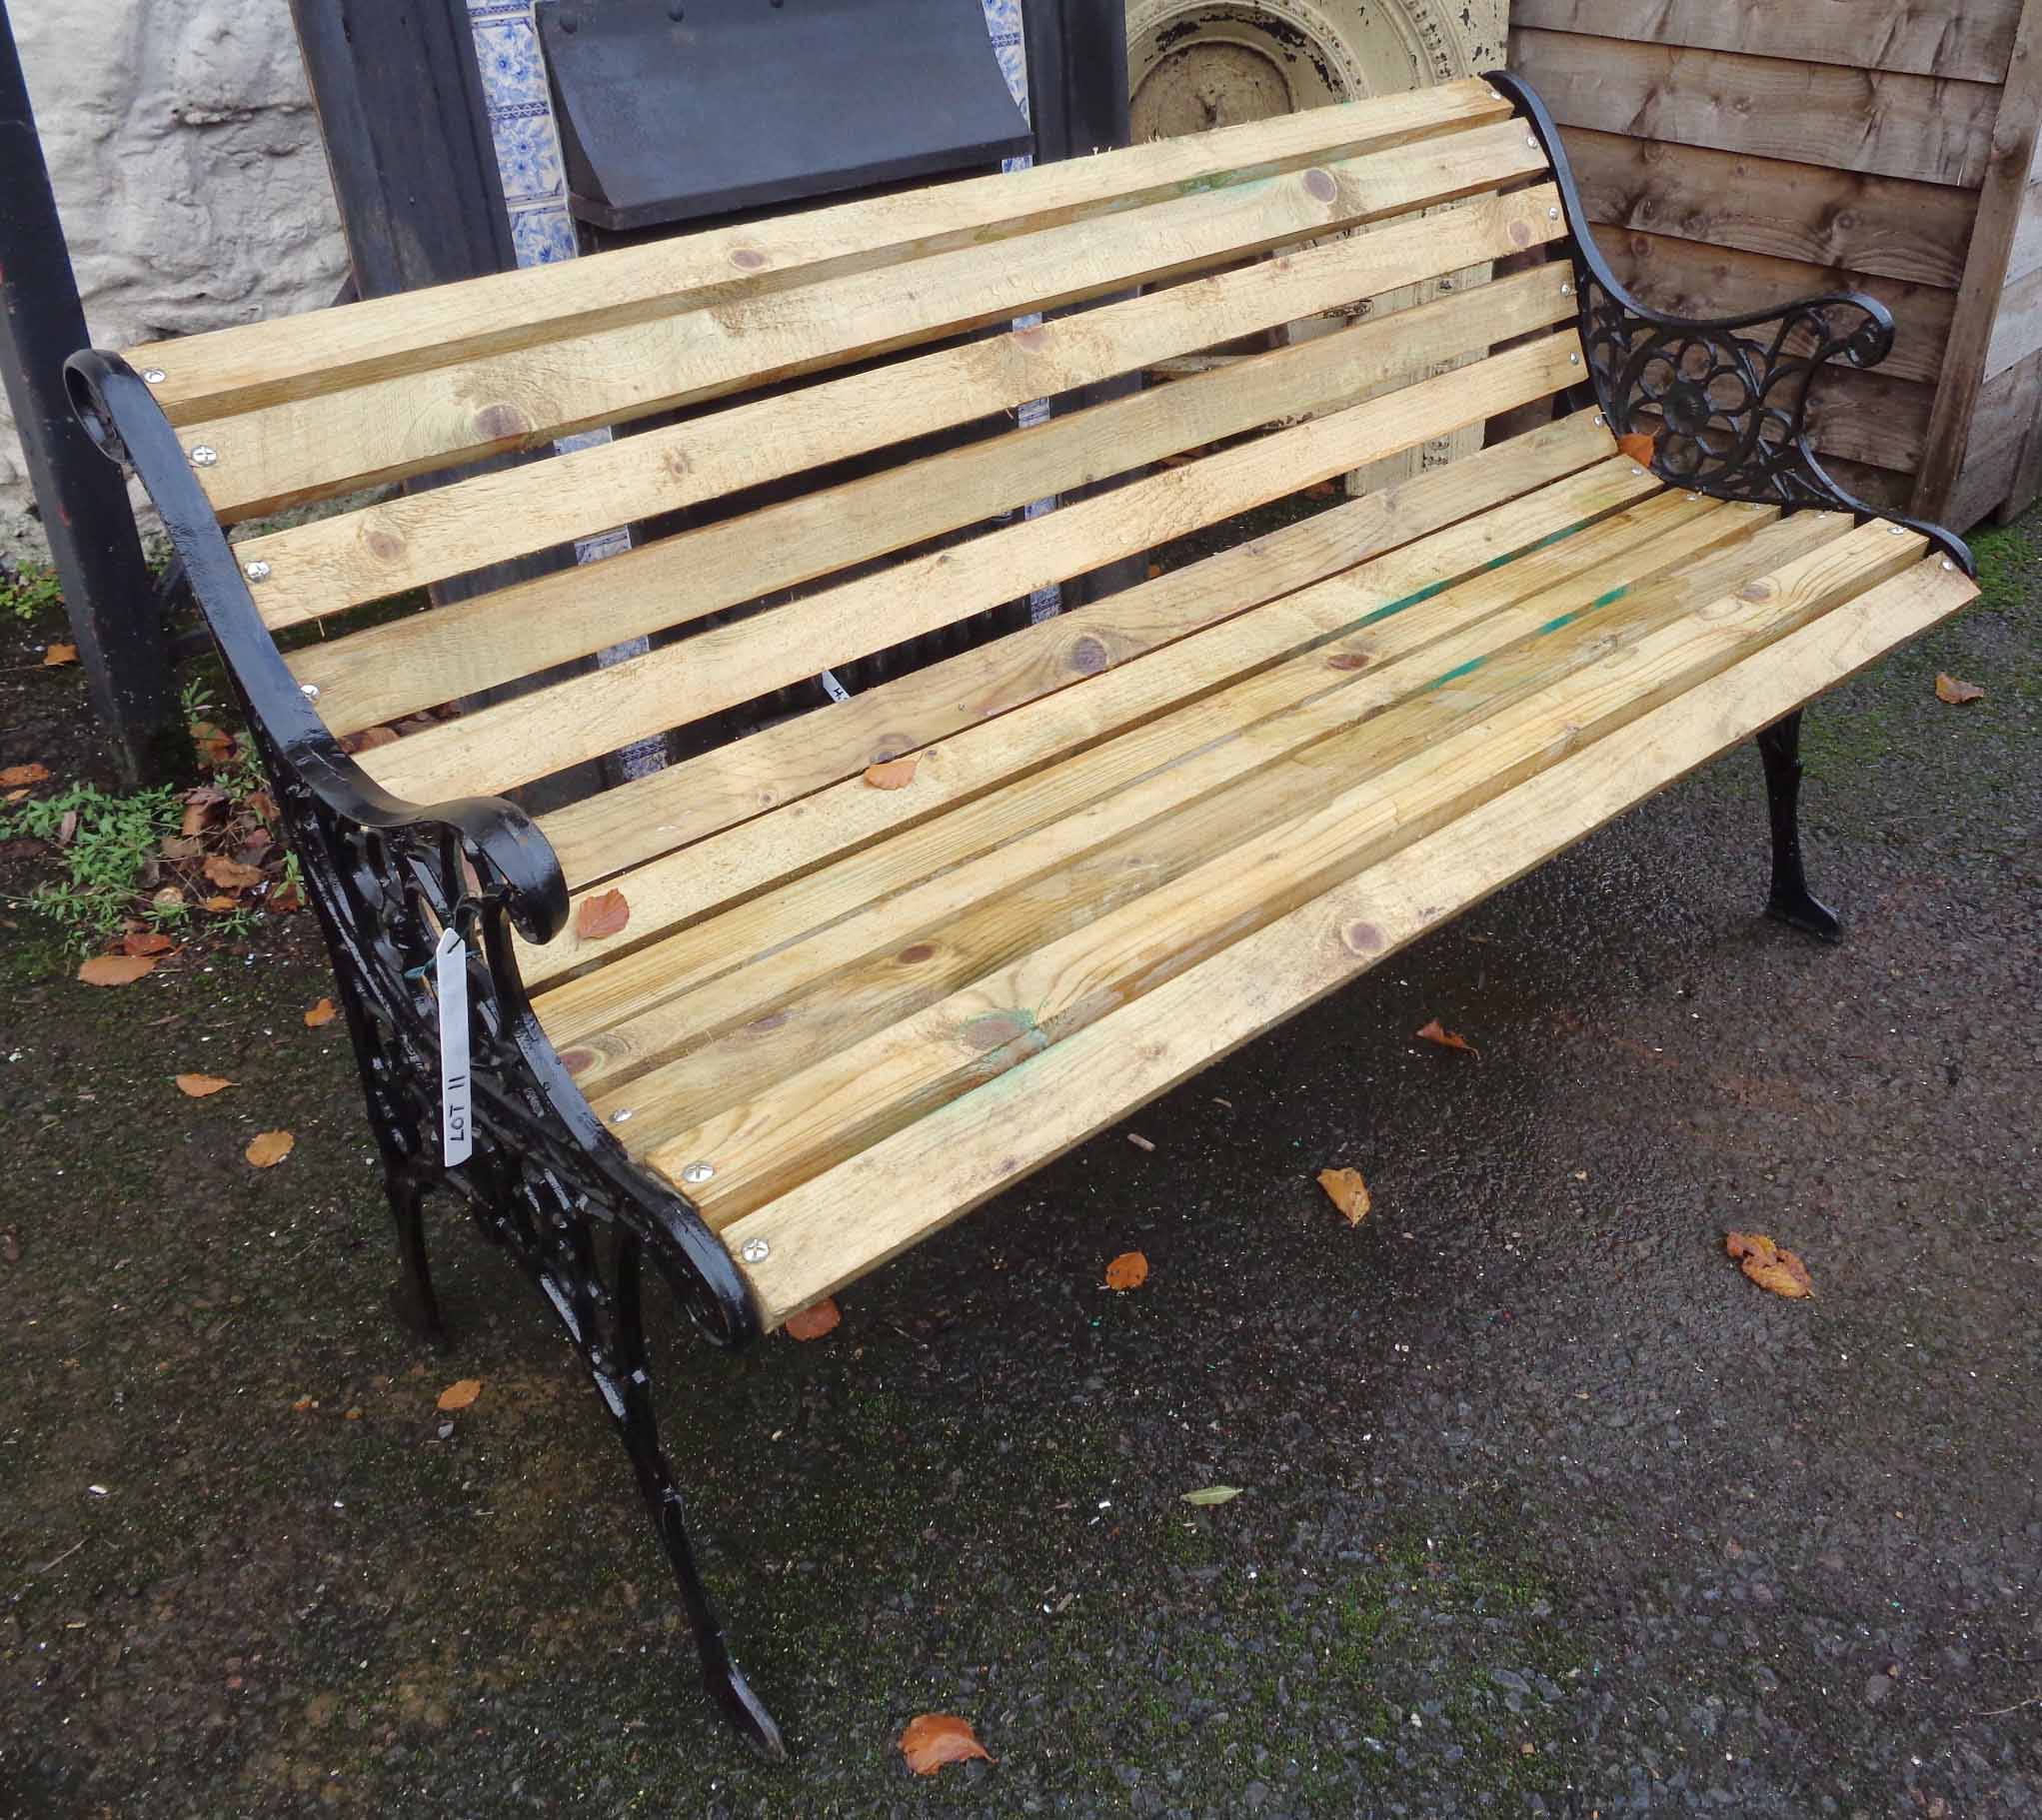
(829,1009)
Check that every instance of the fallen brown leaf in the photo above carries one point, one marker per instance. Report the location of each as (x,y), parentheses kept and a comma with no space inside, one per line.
(352,1415)
(303,1404)
(116,969)
(602,915)
(1640,446)
(219,904)
(1347,1191)
(17,795)
(1127,1271)
(202,1086)
(213,744)
(1437,1032)
(17,775)
(268,1149)
(284,902)
(460,1393)
(1769,1265)
(180,847)
(196,815)
(1319,489)
(1950,690)
(322,1012)
(813,1322)
(147,941)
(893,774)
(231,874)
(934,1739)
(59,655)
(370,737)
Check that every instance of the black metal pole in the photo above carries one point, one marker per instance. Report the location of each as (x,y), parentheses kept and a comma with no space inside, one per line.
(115,621)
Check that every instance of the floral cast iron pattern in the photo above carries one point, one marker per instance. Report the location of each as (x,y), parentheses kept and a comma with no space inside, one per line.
(1727,411)
(1724,401)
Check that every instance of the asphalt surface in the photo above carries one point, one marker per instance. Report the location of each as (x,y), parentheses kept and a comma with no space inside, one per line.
(1545,1509)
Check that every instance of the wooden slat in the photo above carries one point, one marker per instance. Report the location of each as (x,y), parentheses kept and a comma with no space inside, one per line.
(1688,279)
(780,1137)
(310,448)
(242,369)
(618,828)
(362,555)
(1967,38)
(840,1224)
(2005,184)
(847,818)
(1869,417)
(1815,215)
(2025,255)
(1892,125)
(806,993)
(720,667)
(2017,328)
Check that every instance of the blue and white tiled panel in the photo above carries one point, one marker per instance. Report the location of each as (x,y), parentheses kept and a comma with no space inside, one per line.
(528,147)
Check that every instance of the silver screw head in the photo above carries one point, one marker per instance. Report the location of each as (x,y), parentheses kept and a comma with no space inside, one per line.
(257,572)
(1566,290)
(698,1171)
(1948,564)
(1574,360)
(309,691)
(204,456)
(1552,214)
(1637,471)
(1896,531)
(756,1251)
(1598,421)
(620,1115)
(153,374)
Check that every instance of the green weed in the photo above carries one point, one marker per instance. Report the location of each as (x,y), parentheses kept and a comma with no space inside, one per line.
(29,592)
(111,842)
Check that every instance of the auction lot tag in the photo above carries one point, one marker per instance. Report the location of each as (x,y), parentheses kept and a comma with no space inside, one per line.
(456,1127)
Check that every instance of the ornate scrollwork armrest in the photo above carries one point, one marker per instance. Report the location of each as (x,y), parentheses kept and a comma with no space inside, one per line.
(388,880)
(123,419)
(1724,400)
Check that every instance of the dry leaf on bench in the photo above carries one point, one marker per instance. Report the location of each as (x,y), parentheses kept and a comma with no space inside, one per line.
(322,1012)
(1213,1494)
(1127,1271)
(147,941)
(895,773)
(15,777)
(268,1149)
(202,1086)
(1347,1191)
(116,969)
(813,1322)
(1638,446)
(1437,1032)
(58,654)
(1769,1265)
(1950,690)
(602,915)
(934,1739)
(460,1393)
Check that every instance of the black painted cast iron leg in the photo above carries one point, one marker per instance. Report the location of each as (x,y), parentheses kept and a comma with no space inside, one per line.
(412,1295)
(629,1395)
(1780,745)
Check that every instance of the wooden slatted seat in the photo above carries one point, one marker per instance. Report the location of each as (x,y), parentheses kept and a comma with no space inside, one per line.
(823,1008)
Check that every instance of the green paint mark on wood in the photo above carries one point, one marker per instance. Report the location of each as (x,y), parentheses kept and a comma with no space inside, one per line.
(1458,670)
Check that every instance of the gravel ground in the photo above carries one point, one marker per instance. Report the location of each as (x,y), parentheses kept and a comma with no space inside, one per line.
(1545,1509)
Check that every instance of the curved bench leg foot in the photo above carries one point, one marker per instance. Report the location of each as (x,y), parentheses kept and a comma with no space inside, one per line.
(1789,902)
(627,1393)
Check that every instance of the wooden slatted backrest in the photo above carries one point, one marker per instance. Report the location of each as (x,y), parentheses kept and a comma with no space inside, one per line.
(877,308)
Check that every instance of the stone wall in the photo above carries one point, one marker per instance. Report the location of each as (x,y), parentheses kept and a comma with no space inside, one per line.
(188,168)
